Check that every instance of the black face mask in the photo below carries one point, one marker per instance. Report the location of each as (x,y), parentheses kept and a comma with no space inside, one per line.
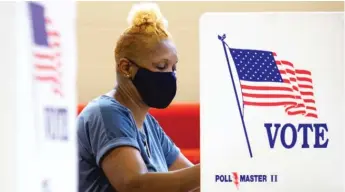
(157,89)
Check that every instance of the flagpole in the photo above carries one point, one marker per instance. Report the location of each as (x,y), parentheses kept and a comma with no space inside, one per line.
(222,38)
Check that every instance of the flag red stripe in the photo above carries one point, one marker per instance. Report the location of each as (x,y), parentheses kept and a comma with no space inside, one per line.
(304,72)
(286,63)
(44,56)
(304,79)
(53,33)
(47,20)
(268,96)
(296,112)
(268,104)
(265,88)
(307,93)
(311,115)
(306,86)
(48,78)
(45,67)
(294,107)
(309,100)
(269,88)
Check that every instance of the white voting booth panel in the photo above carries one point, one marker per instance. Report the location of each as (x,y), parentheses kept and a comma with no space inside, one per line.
(272,102)
(38,99)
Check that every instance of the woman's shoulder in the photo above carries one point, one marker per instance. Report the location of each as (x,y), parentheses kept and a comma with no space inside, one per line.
(104,114)
(103,106)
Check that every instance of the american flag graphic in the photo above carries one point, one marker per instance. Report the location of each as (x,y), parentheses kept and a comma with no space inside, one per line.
(268,81)
(46,48)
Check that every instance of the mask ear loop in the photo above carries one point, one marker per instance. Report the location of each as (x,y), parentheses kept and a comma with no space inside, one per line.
(133,63)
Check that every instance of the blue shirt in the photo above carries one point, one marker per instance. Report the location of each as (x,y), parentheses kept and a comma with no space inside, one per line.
(104,125)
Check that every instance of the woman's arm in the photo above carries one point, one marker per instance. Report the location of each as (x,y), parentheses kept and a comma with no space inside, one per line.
(126,171)
(182,162)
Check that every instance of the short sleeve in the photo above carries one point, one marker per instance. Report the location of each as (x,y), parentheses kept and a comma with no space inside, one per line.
(111,127)
(171,151)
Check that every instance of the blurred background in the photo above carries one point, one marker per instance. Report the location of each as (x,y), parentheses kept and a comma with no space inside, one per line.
(99,24)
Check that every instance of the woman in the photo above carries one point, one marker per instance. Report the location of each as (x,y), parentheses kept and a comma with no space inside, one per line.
(121,146)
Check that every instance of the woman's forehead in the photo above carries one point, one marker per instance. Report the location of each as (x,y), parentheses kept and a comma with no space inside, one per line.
(164,50)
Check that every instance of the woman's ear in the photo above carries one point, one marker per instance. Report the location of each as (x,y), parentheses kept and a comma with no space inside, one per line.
(123,66)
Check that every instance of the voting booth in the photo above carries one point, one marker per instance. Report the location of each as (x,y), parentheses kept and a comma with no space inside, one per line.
(271,102)
(38,99)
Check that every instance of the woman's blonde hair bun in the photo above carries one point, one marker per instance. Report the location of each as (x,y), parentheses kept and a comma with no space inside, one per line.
(146,14)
